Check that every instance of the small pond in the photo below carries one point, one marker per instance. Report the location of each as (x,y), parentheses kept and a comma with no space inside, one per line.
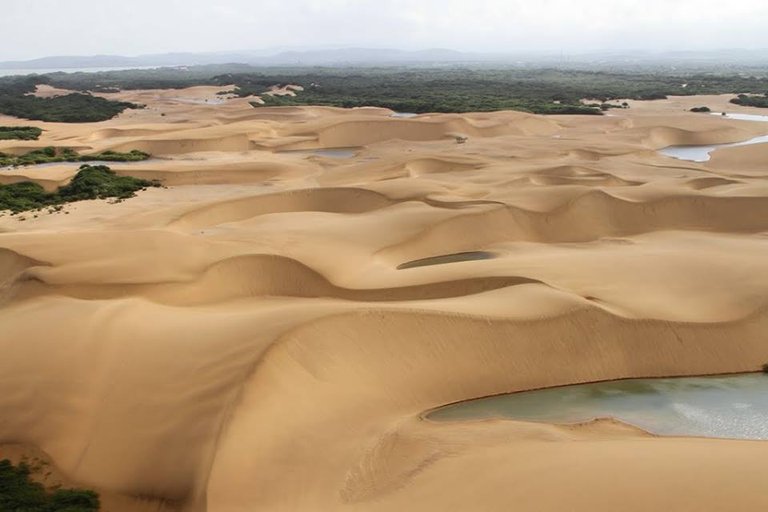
(329,152)
(742,117)
(704,153)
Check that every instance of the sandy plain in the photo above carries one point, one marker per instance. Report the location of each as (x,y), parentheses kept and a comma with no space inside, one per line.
(242,340)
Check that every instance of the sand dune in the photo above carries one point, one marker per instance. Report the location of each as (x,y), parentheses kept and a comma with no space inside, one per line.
(252,336)
(262,276)
(336,200)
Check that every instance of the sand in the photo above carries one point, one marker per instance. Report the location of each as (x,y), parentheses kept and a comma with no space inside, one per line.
(242,340)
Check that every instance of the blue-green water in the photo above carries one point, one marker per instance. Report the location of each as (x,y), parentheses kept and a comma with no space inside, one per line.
(704,153)
(734,406)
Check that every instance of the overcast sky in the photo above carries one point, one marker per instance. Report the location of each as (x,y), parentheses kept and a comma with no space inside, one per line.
(37,28)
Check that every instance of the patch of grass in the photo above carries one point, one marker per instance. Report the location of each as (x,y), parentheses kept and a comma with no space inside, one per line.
(20,132)
(19,493)
(90,182)
(133,155)
(51,154)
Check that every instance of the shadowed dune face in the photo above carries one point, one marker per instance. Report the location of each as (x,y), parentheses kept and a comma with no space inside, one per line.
(334,200)
(12,267)
(267,331)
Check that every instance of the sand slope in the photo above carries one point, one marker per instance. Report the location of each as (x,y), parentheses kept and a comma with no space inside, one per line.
(243,339)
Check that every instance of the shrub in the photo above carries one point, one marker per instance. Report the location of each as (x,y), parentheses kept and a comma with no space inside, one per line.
(90,182)
(52,155)
(19,493)
(20,132)
(751,101)
(100,182)
(20,197)
(701,109)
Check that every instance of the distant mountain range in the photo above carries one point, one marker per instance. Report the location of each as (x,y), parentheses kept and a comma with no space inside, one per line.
(383,56)
(294,57)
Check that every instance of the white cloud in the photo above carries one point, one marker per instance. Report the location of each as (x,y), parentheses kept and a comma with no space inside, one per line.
(130,27)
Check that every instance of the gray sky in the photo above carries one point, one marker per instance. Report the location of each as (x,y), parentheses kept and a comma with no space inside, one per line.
(38,28)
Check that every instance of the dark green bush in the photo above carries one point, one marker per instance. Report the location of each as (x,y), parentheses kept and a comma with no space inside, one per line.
(19,493)
(114,156)
(23,196)
(73,500)
(751,101)
(90,182)
(100,182)
(701,109)
(52,155)
(20,132)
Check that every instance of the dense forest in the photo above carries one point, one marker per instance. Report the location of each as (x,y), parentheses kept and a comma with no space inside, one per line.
(542,91)
(434,89)
(16,99)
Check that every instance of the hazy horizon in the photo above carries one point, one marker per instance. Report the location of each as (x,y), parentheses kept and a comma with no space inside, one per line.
(89,27)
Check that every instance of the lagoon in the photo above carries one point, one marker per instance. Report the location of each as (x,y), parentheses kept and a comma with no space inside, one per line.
(731,406)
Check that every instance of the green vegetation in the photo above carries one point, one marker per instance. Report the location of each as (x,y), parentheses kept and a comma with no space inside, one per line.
(90,182)
(701,109)
(751,101)
(50,154)
(438,89)
(478,87)
(20,132)
(19,493)
(16,99)
(432,100)
(542,91)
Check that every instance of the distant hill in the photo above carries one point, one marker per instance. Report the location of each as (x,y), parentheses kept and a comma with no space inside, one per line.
(308,57)
(385,56)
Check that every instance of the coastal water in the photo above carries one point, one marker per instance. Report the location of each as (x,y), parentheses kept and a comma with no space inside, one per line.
(704,153)
(734,406)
